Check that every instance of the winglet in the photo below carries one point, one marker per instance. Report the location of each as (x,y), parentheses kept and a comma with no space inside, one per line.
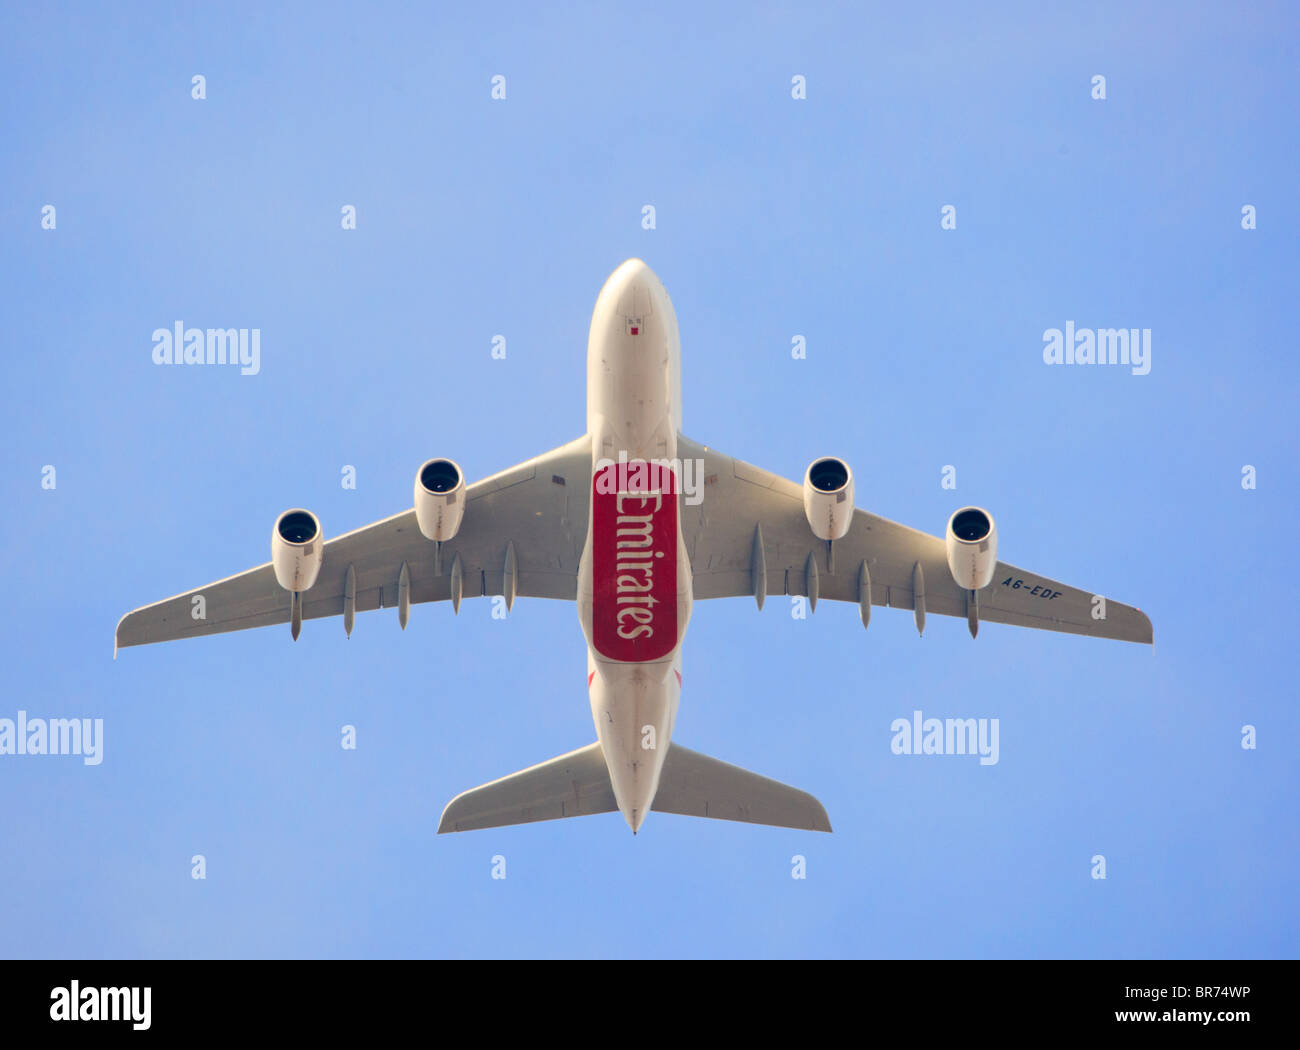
(117,631)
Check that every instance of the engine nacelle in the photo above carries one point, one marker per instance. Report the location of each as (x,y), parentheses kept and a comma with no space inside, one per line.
(439,499)
(972,548)
(828,498)
(297,549)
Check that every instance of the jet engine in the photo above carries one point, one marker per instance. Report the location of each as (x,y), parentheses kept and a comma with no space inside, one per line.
(439,499)
(297,549)
(972,548)
(828,498)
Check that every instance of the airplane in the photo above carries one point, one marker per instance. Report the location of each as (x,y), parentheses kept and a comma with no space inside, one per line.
(607,522)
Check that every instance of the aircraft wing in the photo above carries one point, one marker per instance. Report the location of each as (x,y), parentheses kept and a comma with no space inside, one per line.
(747,510)
(538,508)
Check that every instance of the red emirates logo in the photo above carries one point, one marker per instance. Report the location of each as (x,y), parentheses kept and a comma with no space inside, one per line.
(634,561)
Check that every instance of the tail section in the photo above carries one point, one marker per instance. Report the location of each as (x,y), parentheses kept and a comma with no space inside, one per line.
(577,784)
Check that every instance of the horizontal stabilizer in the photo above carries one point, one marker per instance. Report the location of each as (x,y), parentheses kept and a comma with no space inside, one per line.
(571,785)
(696,785)
(577,784)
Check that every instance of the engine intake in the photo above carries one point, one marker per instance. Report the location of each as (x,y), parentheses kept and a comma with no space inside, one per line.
(439,499)
(828,498)
(297,549)
(972,548)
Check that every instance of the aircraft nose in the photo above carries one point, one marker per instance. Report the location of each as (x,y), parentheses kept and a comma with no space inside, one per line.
(633,287)
(631,270)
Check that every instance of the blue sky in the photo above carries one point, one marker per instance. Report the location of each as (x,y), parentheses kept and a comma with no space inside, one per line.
(775,217)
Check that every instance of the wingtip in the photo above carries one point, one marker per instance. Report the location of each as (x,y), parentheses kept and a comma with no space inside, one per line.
(117,632)
(816,817)
(1150,634)
(445,822)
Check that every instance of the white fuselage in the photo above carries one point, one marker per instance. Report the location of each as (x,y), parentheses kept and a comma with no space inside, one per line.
(634,579)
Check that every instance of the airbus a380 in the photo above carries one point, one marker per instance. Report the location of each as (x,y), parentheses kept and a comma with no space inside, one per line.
(606,522)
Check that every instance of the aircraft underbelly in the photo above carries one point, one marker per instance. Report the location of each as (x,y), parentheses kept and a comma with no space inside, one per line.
(634,578)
